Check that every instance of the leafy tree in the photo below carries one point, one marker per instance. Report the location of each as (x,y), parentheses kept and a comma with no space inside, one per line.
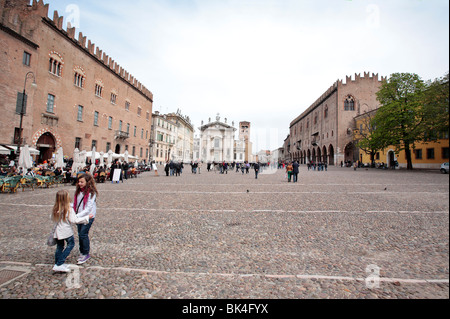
(436,107)
(401,117)
(364,137)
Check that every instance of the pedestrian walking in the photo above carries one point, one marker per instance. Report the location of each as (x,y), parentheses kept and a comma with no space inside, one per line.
(289,170)
(295,167)
(85,204)
(256,168)
(63,215)
(155,168)
(166,169)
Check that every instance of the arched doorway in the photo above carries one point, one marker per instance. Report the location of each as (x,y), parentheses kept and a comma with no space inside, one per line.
(117,150)
(308,158)
(325,157)
(319,155)
(331,155)
(391,159)
(46,145)
(313,158)
(350,153)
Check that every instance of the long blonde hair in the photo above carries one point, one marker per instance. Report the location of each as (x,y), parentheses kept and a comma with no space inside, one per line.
(61,209)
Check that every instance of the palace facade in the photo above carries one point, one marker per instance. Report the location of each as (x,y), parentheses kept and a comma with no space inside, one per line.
(324,132)
(82,97)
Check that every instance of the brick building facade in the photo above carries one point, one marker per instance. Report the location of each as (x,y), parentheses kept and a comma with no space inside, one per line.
(83,97)
(324,132)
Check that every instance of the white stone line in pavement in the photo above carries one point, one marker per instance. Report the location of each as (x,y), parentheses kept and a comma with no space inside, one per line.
(283,184)
(243,211)
(318,277)
(273,192)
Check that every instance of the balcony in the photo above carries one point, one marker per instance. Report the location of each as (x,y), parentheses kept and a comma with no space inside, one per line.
(119,135)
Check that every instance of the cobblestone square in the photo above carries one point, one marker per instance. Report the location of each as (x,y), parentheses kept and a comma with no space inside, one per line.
(335,234)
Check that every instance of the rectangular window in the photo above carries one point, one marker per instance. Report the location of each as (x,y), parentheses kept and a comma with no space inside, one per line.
(50,103)
(142,135)
(127,105)
(128,128)
(430,153)
(108,147)
(139,112)
(445,153)
(134,151)
(80,113)
(78,142)
(94,144)
(26,58)
(418,154)
(135,129)
(147,116)
(120,125)
(110,123)
(96,118)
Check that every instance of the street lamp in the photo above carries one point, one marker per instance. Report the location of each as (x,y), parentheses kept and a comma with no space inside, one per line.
(22,109)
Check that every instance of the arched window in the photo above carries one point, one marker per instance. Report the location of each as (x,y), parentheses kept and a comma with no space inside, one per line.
(325,112)
(349,104)
(79,77)
(98,88)
(55,63)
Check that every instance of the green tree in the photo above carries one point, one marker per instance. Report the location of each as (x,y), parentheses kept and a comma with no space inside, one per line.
(401,117)
(365,136)
(436,107)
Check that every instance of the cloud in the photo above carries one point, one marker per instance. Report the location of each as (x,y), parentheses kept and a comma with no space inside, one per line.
(263,61)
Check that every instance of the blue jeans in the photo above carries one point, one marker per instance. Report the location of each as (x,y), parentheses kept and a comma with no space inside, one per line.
(83,236)
(61,254)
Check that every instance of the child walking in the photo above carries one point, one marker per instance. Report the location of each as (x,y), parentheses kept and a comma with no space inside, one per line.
(84,204)
(64,216)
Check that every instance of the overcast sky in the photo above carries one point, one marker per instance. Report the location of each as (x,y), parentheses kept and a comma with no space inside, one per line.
(262,61)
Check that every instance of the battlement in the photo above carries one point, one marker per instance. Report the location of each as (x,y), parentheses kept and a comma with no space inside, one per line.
(358,78)
(339,83)
(16,15)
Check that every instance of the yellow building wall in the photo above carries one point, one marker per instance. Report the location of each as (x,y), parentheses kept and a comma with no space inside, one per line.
(424,162)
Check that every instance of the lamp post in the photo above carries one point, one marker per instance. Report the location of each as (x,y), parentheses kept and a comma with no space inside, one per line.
(22,110)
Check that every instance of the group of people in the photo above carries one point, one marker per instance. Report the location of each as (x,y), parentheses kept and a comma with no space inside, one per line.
(65,213)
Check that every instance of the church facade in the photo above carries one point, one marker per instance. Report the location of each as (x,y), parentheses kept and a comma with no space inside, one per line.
(217,142)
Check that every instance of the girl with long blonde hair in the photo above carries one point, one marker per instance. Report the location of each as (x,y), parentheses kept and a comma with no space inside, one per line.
(64,217)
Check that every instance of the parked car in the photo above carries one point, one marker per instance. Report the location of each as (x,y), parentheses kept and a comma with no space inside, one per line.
(444,168)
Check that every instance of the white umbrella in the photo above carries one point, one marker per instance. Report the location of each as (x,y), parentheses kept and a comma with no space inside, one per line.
(25,158)
(60,158)
(92,161)
(110,158)
(76,160)
(82,158)
(102,159)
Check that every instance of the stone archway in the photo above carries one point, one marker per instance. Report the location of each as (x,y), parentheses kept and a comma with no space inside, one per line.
(325,156)
(46,145)
(47,141)
(331,155)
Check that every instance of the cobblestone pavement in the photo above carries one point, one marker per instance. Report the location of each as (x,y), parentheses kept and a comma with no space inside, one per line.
(335,234)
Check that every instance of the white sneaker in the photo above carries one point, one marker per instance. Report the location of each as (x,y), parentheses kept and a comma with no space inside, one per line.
(62,268)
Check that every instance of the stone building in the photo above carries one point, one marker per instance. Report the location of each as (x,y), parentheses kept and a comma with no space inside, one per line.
(324,132)
(83,97)
(163,138)
(184,143)
(217,141)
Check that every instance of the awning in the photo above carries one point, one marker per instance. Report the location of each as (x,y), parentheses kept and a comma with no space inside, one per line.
(4,150)
(33,151)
